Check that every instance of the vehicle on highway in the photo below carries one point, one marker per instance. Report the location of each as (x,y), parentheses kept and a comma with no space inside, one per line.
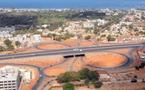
(76,49)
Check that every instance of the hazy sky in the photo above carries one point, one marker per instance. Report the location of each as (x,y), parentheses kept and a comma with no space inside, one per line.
(27,1)
(71,3)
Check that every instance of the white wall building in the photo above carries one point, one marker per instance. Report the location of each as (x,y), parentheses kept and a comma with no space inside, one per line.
(36,38)
(88,25)
(101,22)
(9,79)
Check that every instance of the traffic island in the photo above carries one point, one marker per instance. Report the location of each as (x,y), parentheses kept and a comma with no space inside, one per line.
(105,60)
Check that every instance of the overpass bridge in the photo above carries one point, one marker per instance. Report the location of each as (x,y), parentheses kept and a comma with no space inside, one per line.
(79,51)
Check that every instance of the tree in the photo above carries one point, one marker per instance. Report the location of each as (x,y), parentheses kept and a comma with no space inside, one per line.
(2,48)
(17,43)
(7,42)
(90,75)
(9,45)
(115,19)
(68,86)
(142,65)
(137,67)
(96,30)
(110,38)
(83,73)
(87,82)
(98,84)
(68,77)
(57,38)
(87,37)
(143,80)
(93,76)
(63,78)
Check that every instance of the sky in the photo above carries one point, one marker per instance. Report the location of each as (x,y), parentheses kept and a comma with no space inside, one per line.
(72,3)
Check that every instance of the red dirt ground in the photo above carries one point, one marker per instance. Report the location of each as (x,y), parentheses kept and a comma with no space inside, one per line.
(54,71)
(37,61)
(51,46)
(105,59)
(74,42)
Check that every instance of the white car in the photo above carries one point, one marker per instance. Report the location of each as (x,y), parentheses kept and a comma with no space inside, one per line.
(76,49)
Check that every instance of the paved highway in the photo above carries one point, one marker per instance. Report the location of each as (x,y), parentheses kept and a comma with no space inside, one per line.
(70,51)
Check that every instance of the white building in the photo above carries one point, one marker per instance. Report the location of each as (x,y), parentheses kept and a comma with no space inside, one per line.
(101,22)
(88,24)
(6,32)
(9,79)
(36,38)
(44,26)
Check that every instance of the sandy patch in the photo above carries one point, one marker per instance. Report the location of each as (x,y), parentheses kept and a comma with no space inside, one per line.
(78,64)
(7,52)
(51,46)
(35,77)
(75,42)
(122,51)
(37,61)
(105,59)
(54,71)
(46,39)
(27,50)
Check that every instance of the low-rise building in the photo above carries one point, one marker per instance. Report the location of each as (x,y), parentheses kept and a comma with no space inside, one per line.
(88,25)
(101,22)
(36,38)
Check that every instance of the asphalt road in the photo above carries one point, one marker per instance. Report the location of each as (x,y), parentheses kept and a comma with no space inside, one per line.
(70,51)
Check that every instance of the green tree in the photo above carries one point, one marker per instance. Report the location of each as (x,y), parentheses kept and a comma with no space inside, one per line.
(9,45)
(17,43)
(96,29)
(7,42)
(68,86)
(83,73)
(2,48)
(88,75)
(67,77)
(87,82)
(110,38)
(57,38)
(98,84)
(93,76)
(115,19)
(87,37)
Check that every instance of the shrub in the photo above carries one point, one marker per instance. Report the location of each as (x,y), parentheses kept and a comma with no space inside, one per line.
(68,86)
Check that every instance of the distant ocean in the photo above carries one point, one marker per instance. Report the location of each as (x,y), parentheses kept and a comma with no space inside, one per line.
(123,4)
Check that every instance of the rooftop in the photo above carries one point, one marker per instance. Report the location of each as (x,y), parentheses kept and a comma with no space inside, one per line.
(8,73)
